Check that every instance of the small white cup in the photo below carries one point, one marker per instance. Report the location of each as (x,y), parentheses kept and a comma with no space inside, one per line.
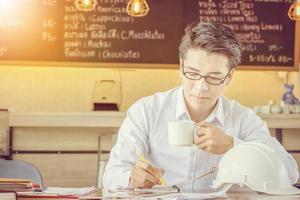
(181,133)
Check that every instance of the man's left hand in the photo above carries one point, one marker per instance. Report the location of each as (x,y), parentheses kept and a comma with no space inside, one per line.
(212,139)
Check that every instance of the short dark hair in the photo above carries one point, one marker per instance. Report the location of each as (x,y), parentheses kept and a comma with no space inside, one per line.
(212,37)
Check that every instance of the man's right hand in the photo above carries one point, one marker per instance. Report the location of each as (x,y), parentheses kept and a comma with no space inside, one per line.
(145,175)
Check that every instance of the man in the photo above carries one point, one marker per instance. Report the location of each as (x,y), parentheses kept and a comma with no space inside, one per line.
(208,55)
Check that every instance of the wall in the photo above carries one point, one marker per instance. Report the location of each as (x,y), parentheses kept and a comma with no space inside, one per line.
(59,89)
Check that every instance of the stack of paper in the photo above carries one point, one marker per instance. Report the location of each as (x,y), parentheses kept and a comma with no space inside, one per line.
(13,184)
(190,196)
(59,193)
(125,193)
(162,193)
(8,196)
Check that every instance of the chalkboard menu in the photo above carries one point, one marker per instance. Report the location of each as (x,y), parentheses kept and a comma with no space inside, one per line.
(56,32)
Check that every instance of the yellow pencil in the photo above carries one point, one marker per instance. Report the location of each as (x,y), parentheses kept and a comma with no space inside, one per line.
(142,158)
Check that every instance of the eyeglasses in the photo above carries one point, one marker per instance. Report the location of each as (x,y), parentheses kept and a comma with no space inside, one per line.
(209,79)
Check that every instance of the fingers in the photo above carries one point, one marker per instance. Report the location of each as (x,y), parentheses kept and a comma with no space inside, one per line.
(141,178)
(201,136)
(207,145)
(150,169)
(202,128)
(199,139)
(201,131)
(145,175)
(212,139)
(203,124)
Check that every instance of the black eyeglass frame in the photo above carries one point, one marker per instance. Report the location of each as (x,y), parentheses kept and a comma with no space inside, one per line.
(205,77)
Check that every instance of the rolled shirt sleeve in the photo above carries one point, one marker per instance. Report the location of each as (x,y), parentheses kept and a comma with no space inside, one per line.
(132,137)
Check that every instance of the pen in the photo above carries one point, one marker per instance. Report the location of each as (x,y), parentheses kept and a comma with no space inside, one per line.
(142,158)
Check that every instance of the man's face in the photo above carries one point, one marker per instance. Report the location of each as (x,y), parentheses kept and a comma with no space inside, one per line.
(200,94)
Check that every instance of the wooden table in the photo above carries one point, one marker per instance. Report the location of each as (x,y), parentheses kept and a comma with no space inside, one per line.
(243,196)
(255,196)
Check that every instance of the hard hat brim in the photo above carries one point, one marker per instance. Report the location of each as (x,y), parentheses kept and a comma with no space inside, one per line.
(283,191)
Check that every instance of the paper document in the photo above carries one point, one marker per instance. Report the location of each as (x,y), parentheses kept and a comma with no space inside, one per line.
(14,184)
(60,192)
(71,191)
(8,196)
(140,192)
(187,196)
(192,196)
(163,193)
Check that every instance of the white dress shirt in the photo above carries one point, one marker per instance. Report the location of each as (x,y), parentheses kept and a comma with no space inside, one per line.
(145,129)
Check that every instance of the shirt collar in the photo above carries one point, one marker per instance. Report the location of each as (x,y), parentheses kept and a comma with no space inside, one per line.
(181,109)
(217,113)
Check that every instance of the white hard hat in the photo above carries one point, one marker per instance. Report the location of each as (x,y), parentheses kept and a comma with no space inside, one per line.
(256,166)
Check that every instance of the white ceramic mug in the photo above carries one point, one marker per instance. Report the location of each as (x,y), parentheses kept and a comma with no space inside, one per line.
(181,133)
